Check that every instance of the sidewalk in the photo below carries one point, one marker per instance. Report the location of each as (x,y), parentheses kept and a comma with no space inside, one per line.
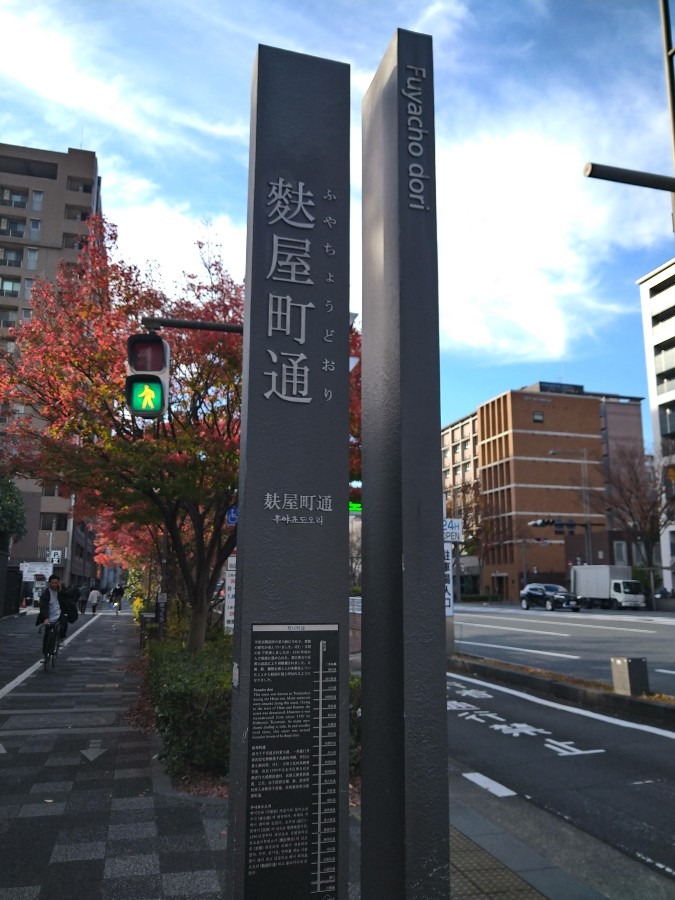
(86,811)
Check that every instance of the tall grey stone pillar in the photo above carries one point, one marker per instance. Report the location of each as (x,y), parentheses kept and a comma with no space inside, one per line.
(287,833)
(405,825)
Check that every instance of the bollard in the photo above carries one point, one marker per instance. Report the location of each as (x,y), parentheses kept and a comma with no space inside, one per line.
(629,676)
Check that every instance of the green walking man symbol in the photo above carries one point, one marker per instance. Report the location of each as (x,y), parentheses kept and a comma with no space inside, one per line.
(147,396)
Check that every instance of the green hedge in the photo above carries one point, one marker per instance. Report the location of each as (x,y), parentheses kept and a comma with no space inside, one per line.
(355,725)
(191,695)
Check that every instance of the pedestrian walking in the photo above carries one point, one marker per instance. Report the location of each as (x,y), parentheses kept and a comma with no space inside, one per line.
(84,596)
(94,598)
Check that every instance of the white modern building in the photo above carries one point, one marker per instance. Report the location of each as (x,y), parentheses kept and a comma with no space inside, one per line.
(657,297)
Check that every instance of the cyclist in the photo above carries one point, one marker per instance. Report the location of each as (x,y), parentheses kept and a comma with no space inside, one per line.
(55,604)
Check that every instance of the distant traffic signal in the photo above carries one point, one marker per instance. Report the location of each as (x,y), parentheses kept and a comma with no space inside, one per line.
(147,385)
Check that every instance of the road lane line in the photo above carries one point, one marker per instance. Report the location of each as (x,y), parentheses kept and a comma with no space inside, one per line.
(665,671)
(586,713)
(567,624)
(518,649)
(494,787)
(511,628)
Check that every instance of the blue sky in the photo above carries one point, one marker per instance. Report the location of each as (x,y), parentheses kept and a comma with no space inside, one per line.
(537,263)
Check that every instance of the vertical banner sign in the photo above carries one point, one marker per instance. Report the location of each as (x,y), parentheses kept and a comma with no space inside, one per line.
(404,799)
(287,834)
(449,594)
(452,535)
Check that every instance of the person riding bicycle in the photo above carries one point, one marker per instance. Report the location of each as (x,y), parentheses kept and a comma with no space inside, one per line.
(116,595)
(56,606)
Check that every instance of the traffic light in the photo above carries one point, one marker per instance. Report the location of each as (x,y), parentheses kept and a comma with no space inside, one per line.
(147,386)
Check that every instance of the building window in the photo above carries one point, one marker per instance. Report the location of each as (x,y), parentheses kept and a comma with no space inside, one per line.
(9,287)
(34,231)
(620,553)
(82,185)
(26,314)
(11,197)
(12,227)
(53,521)
(50,489)
(537,416)
(8,317)
(27,288)
(11,257)
(31,259)
(37,201)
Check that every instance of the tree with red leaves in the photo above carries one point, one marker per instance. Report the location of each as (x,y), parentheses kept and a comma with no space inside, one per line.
(67,373)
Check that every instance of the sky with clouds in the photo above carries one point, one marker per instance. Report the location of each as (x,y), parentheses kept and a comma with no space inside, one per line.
(537,263)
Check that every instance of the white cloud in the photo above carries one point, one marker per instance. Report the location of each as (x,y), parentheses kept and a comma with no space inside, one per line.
(71,71)
(162,239)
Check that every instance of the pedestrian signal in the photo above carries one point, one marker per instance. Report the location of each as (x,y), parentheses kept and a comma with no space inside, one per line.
(147,385)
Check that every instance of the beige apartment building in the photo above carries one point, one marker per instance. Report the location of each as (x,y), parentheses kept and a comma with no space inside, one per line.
(45,201)
(540,452)
(657,297)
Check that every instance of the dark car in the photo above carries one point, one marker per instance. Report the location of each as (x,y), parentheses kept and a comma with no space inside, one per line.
(551,596)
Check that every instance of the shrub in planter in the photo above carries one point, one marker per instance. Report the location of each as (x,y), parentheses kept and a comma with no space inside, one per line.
(191,695)
(355,725)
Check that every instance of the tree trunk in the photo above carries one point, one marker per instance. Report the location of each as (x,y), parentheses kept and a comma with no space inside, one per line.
(197,633)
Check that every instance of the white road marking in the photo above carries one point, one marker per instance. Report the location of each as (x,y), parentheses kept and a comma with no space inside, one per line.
(494,787)
(586,713)
(518,649)
(512,628)
(568,624)
(94,750)
(8,688)
(665,671)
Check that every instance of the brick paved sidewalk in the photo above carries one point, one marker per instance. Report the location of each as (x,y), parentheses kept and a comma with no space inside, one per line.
(87,813)
(85,809)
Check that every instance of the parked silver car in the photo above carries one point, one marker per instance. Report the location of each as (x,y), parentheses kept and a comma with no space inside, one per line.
(551,596)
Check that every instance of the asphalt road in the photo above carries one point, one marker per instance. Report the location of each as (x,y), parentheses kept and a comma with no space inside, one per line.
(578,644)
(612,779)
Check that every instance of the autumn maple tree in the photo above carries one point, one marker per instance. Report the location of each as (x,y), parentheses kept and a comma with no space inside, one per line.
(145,484)
(65,378)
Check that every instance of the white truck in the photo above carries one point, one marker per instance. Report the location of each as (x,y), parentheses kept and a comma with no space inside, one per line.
(607,586)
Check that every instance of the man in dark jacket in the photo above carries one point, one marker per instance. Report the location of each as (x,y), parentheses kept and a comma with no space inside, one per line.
(56,605)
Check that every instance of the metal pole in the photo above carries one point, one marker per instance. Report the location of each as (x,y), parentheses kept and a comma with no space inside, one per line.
(630,176)
(670,80)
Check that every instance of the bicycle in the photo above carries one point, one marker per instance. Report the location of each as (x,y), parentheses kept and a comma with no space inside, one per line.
(51,644)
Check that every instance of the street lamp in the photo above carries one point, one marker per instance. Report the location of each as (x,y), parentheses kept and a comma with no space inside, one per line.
(586,503)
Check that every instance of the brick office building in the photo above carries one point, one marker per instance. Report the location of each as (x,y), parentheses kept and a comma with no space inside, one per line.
(540,452)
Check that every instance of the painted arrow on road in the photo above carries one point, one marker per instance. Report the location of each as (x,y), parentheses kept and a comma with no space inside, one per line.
(93,751)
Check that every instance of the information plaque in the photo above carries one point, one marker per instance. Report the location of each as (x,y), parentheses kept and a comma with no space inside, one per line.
(292,821)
